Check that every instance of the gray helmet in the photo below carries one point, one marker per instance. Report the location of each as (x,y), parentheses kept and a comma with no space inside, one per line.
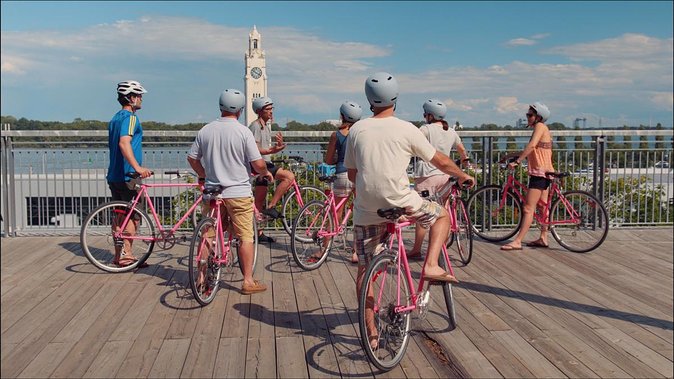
(351,111)
(541,110)
(261,102)
(130,87)
(381,89)
(436,108)
(232,100)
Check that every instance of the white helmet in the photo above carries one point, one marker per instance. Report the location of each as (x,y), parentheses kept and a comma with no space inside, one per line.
(351,111)
(232,100)
(541,110)
(381,90)
(435,108)
(261,102)
(130,87)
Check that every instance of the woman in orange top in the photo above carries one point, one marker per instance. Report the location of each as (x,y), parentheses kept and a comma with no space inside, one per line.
(539,155)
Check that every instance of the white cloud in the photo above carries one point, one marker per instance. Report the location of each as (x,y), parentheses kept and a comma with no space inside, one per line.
(663,100)
(520,42)
(507,104)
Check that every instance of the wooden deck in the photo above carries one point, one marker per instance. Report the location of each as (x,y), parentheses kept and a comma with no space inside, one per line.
(534,313)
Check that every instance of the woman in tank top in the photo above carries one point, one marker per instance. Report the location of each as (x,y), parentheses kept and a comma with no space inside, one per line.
(538,152)
(342,187)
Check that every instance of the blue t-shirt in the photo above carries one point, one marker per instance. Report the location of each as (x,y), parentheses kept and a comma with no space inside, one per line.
(123,123)
(341,151)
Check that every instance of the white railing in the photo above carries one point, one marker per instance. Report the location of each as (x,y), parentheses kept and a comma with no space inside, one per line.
(50,186)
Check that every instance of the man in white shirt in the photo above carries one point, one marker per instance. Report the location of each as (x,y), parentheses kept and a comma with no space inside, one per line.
(377,154)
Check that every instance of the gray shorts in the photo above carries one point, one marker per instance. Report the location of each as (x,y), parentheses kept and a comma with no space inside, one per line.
(342,186)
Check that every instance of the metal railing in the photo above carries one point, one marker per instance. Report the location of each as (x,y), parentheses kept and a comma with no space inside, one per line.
(49,186)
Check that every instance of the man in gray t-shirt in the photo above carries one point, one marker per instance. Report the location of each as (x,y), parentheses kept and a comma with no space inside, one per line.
(228,150)
(261,129)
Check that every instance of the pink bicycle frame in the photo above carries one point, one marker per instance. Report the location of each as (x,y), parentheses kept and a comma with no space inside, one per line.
(142,194)
(395,231)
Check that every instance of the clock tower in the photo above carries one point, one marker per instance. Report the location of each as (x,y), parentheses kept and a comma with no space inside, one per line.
(255,78)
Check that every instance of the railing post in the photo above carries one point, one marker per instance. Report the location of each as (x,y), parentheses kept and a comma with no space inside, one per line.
(8,218)
(486,160)
(599,167)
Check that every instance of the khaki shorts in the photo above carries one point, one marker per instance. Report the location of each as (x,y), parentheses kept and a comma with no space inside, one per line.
(240,212)
(371,239)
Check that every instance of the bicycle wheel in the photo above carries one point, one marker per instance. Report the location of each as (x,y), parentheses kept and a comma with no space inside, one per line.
(449,296)
(308,250)
(588,227)
(291,205)
(392,328)
(98,243)
(204,271)
(489,220)
(464,233)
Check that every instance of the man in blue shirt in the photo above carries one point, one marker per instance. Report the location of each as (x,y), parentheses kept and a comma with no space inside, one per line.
(125,139)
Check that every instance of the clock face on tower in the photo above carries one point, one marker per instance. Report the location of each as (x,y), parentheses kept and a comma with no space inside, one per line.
(256,72)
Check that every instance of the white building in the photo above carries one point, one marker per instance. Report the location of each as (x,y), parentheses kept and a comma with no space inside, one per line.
(255,77)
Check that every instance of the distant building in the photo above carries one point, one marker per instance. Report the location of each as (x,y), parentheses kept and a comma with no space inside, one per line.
(334,122)
(255,78)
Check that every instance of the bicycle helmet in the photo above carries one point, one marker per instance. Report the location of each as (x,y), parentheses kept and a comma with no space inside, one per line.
(261,102)
(350,111)
(381,90)
(435,108)
(232,100)
(541,110)
(130,87)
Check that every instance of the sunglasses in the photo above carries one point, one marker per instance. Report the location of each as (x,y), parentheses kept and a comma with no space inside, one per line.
(531,114)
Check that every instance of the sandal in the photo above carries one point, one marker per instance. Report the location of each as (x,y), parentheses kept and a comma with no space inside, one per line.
(537,243)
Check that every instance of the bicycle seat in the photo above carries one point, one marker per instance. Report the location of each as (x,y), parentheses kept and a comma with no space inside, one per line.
(558,174)
(328,179)
(213,190)
(391,213)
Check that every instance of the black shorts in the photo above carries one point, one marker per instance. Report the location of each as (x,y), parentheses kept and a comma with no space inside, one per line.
(261,181)
(539,182)
(120,191)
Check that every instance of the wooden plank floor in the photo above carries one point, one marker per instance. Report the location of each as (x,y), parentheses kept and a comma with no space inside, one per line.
(532,313)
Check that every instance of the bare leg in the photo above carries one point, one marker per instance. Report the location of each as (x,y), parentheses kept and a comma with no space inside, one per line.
(419,235)
(438,237)
(246,261)
(369,306)
(260,197)
(285,179)
(533,195)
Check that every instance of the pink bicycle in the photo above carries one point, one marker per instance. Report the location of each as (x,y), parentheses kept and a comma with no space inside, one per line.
(315,228)
(577,220)
(213,247)
(119,230)
(388,297)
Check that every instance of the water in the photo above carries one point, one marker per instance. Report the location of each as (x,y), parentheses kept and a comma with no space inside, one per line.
(54,161)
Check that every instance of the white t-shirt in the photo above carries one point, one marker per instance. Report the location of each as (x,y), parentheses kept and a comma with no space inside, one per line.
(380,149)
(443,140)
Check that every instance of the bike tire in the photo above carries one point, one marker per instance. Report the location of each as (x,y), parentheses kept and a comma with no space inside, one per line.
(393,328)
(464,235)
(490,226)
(448,294)
(315,216)
(291,205)
(98,244)
(591,230)
(204,241)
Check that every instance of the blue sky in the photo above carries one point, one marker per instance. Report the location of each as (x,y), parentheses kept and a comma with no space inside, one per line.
(609,62)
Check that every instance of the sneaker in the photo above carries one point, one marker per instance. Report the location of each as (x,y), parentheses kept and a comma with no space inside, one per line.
(264,238)
(254,288)
(272,213)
